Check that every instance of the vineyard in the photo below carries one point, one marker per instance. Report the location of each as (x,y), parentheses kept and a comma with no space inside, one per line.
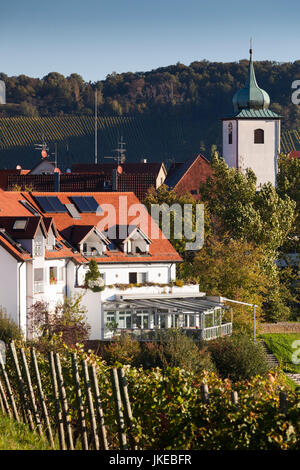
(78,402)
(290,140)
(156,139)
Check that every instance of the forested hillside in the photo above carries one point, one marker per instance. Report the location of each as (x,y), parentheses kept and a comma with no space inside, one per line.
(167,113)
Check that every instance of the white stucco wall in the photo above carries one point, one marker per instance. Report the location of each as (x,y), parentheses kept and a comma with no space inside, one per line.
(161,273)
(13,292)
(230,150)
(261,158)
(9,284)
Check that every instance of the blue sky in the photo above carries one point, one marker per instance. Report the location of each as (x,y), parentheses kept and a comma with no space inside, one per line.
(96,37)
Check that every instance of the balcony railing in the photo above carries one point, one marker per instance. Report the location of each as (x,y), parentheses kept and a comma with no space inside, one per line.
(214,332)
(38,287)
(153,334)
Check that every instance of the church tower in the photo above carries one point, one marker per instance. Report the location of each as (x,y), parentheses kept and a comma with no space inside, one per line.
(251,135)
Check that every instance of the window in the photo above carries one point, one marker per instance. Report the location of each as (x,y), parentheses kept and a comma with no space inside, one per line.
(124,320)
(142,319)
(259,136)
(20,224)
(38,278)
(230,133)
(137,278)
(132,278)
(38,248)
(53,274)
(194,191)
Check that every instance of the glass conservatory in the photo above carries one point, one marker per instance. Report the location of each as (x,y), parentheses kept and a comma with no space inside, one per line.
(143,318)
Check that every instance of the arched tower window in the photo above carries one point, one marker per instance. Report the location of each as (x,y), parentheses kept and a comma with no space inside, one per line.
(230,133)
(259,136)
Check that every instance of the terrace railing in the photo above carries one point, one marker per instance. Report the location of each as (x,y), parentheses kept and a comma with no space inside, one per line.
(147,334)
(214,332)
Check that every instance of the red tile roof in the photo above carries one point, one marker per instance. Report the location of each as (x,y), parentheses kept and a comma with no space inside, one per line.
(294,154)
(107,168)
(160,248)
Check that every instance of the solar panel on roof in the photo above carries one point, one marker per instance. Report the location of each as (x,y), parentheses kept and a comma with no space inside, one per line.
(50,204)
(86,204)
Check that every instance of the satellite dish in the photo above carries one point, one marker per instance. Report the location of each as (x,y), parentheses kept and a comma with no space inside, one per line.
(44,153)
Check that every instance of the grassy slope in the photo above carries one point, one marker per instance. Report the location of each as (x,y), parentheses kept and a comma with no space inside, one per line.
(281,346)
(14,436)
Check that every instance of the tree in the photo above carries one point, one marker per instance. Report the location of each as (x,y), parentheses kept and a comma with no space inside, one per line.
(166,199)
(233,269)
(288,183)
(262,218)
(66,324)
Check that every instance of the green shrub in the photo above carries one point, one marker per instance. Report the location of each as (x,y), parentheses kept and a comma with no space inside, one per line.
(9,330)
(175,349)
(238,357)
(123,349)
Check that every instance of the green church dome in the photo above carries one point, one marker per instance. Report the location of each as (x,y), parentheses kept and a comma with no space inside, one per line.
(251,96)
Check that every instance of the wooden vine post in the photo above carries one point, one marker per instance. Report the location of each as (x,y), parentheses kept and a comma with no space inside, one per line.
(42,400)
(84,436)
(126,406)
(60,425)
(90,404)
(99,410)
(119,411)
(31,392)
(64,402)
(27,415)
(9,390)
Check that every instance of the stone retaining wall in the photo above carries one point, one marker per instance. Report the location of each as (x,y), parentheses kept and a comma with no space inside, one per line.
(281,327)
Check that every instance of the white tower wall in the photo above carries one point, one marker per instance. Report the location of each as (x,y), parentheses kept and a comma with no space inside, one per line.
(243,153)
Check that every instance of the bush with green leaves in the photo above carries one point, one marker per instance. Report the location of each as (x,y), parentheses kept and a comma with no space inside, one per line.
(9,330)
(237,357)
(123,350)
(175,349)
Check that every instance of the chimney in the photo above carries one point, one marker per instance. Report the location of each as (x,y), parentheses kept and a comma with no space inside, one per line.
(57,182)
(115,180)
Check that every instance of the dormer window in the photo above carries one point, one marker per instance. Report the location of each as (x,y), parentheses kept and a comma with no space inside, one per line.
(90,241)
(20,224)
(137,243)
(230,133)
(259,136)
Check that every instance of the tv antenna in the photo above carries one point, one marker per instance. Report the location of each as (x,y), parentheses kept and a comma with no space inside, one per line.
(120,157)
(43,147)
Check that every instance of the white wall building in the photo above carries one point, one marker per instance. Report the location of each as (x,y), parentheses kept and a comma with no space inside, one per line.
(48,239)
(251,136)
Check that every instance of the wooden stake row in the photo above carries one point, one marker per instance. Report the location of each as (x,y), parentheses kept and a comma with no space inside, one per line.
(31,406)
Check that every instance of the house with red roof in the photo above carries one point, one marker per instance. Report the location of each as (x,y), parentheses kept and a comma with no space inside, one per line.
(48,239)
(186,176)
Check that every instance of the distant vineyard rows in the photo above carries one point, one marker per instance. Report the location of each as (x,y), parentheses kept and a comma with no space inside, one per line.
(23,131)
(290,140)
(159,139)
